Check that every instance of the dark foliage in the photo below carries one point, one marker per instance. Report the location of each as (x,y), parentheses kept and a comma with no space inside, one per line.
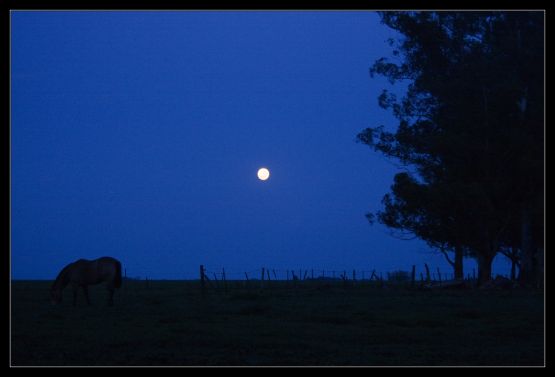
(471,125)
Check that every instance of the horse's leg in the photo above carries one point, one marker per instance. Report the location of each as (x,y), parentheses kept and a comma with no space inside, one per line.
(110,296)
(75,295)
(86,292)
(110,288)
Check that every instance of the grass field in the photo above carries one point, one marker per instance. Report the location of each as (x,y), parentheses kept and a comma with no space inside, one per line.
(169,323)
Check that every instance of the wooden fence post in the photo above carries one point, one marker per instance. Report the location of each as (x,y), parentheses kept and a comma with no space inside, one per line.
(202,282)
(262,279)
(427,272)
(413,275)
(439,275)
(224,280)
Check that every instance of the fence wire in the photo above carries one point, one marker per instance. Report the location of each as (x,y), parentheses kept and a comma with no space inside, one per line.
(270,274)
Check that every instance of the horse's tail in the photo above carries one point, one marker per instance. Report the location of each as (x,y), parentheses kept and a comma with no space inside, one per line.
(117,280)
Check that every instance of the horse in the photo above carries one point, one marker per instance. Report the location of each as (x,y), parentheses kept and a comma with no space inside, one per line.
(82,273)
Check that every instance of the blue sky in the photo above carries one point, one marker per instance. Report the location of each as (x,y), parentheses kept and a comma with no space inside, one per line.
(139,134)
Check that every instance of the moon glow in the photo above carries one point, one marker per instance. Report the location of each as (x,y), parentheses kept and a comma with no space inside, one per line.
(263,174)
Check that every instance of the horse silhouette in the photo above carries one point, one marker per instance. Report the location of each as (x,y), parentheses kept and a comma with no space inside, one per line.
(82,273)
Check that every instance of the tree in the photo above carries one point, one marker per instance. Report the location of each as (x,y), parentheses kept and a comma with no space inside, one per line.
(470,124)
(418,209)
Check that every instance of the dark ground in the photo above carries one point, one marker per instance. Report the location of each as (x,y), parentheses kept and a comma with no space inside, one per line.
(315,323)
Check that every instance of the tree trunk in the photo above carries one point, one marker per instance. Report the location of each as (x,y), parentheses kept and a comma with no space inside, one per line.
(514,261)
(527,265)
(513,270)
(485,260)
(459,273)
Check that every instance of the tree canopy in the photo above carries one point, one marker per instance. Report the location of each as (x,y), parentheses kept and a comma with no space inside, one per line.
(471,125)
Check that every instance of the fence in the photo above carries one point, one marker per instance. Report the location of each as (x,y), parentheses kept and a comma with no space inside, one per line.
(268,277)
(265,277)
(269,274)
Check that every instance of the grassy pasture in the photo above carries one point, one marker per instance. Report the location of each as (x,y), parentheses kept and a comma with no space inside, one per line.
(315,323)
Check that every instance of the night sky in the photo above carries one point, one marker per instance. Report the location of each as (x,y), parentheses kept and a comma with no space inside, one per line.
(139,135)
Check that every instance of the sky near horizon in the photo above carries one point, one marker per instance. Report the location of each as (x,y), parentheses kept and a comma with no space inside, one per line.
(139,135)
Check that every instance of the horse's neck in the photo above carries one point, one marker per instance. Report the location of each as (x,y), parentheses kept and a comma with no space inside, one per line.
(63,280)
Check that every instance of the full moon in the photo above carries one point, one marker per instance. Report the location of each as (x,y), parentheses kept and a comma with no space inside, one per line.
(263,174)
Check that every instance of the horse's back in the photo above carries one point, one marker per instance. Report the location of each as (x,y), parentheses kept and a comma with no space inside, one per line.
(112,269)
(95,271)
(108,260)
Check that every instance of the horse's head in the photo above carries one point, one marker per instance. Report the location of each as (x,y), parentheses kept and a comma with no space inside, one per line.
(55,296)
